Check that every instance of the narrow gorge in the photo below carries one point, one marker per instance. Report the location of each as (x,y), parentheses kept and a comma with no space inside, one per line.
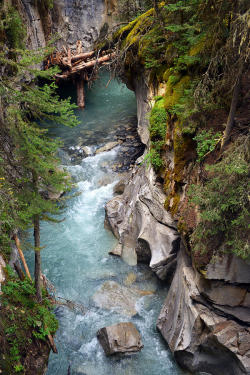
(142,207)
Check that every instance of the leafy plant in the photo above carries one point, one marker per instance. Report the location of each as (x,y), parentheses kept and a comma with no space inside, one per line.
(153,157)
(206,142)
(157,130)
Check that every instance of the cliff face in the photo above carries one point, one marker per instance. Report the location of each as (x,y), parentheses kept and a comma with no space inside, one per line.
(71,20)
(205,318)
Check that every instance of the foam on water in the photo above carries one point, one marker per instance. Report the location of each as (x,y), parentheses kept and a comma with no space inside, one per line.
(75,259)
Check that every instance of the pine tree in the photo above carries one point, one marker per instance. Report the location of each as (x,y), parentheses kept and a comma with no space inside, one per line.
(28,162)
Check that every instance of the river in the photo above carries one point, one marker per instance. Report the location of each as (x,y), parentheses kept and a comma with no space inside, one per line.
(75,257)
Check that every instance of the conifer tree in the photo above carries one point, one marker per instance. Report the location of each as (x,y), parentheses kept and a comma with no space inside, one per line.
(28,162)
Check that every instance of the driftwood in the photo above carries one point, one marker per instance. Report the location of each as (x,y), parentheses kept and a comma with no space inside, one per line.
(51,342)
(17,241)
(85,65)
(79,66)
(19,271)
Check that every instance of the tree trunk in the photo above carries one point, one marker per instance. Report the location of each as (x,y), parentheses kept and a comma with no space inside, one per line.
(38,273)
(36,224)
(80,91)
(233,107)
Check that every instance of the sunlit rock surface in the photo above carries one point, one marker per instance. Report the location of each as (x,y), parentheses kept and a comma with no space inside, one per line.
(140,222)
(202,336)
(120,338)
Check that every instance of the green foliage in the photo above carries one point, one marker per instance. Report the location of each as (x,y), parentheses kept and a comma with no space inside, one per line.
(30,151)
(23,320)
(223,204)
(157,131)
(153,157)
(12,24)
(28,169)
(206,142)
(157,120)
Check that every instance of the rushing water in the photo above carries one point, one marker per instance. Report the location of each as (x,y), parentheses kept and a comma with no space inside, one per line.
(75,258)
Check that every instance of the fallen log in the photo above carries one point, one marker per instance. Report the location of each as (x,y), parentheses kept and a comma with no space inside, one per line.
(74,58)
(51,342)
(17,241)
(85,65)
(19,271)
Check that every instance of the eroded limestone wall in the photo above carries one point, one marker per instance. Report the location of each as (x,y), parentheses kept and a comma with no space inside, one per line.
(205,318)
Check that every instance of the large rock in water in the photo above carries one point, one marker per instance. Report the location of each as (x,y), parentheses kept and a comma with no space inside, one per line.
(115,297)
(144,228)
(109,146)
(196,323)
(120,338)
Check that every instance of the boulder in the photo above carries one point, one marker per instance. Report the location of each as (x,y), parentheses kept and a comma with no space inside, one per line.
(109,146)
(115,297)
(87,150)
(117,250)
(120,338)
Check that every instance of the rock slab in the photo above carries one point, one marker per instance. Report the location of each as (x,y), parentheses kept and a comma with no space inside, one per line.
(200,338)
(120,338)
(115,297)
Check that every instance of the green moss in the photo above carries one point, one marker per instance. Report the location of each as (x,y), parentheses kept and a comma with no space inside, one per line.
(182,226)
(172,203)
(175,89)
(198,47)
(12,25)
(166,75)
(183,148)
(135,29)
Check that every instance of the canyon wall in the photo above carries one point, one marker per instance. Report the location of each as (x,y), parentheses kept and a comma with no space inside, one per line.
(205,318)
(68,20)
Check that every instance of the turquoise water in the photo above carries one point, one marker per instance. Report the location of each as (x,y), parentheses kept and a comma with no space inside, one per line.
(76,260)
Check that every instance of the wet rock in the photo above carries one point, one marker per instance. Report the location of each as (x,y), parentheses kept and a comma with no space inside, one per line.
(129,254)
(87,150)
(120,338)
(105,180)
(117,250)
(115,297)
(130,279)
(109,146)
(119,187)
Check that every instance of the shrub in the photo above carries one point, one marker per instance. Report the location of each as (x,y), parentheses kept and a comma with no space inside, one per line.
(223,204)
(206,142)
(23,321)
